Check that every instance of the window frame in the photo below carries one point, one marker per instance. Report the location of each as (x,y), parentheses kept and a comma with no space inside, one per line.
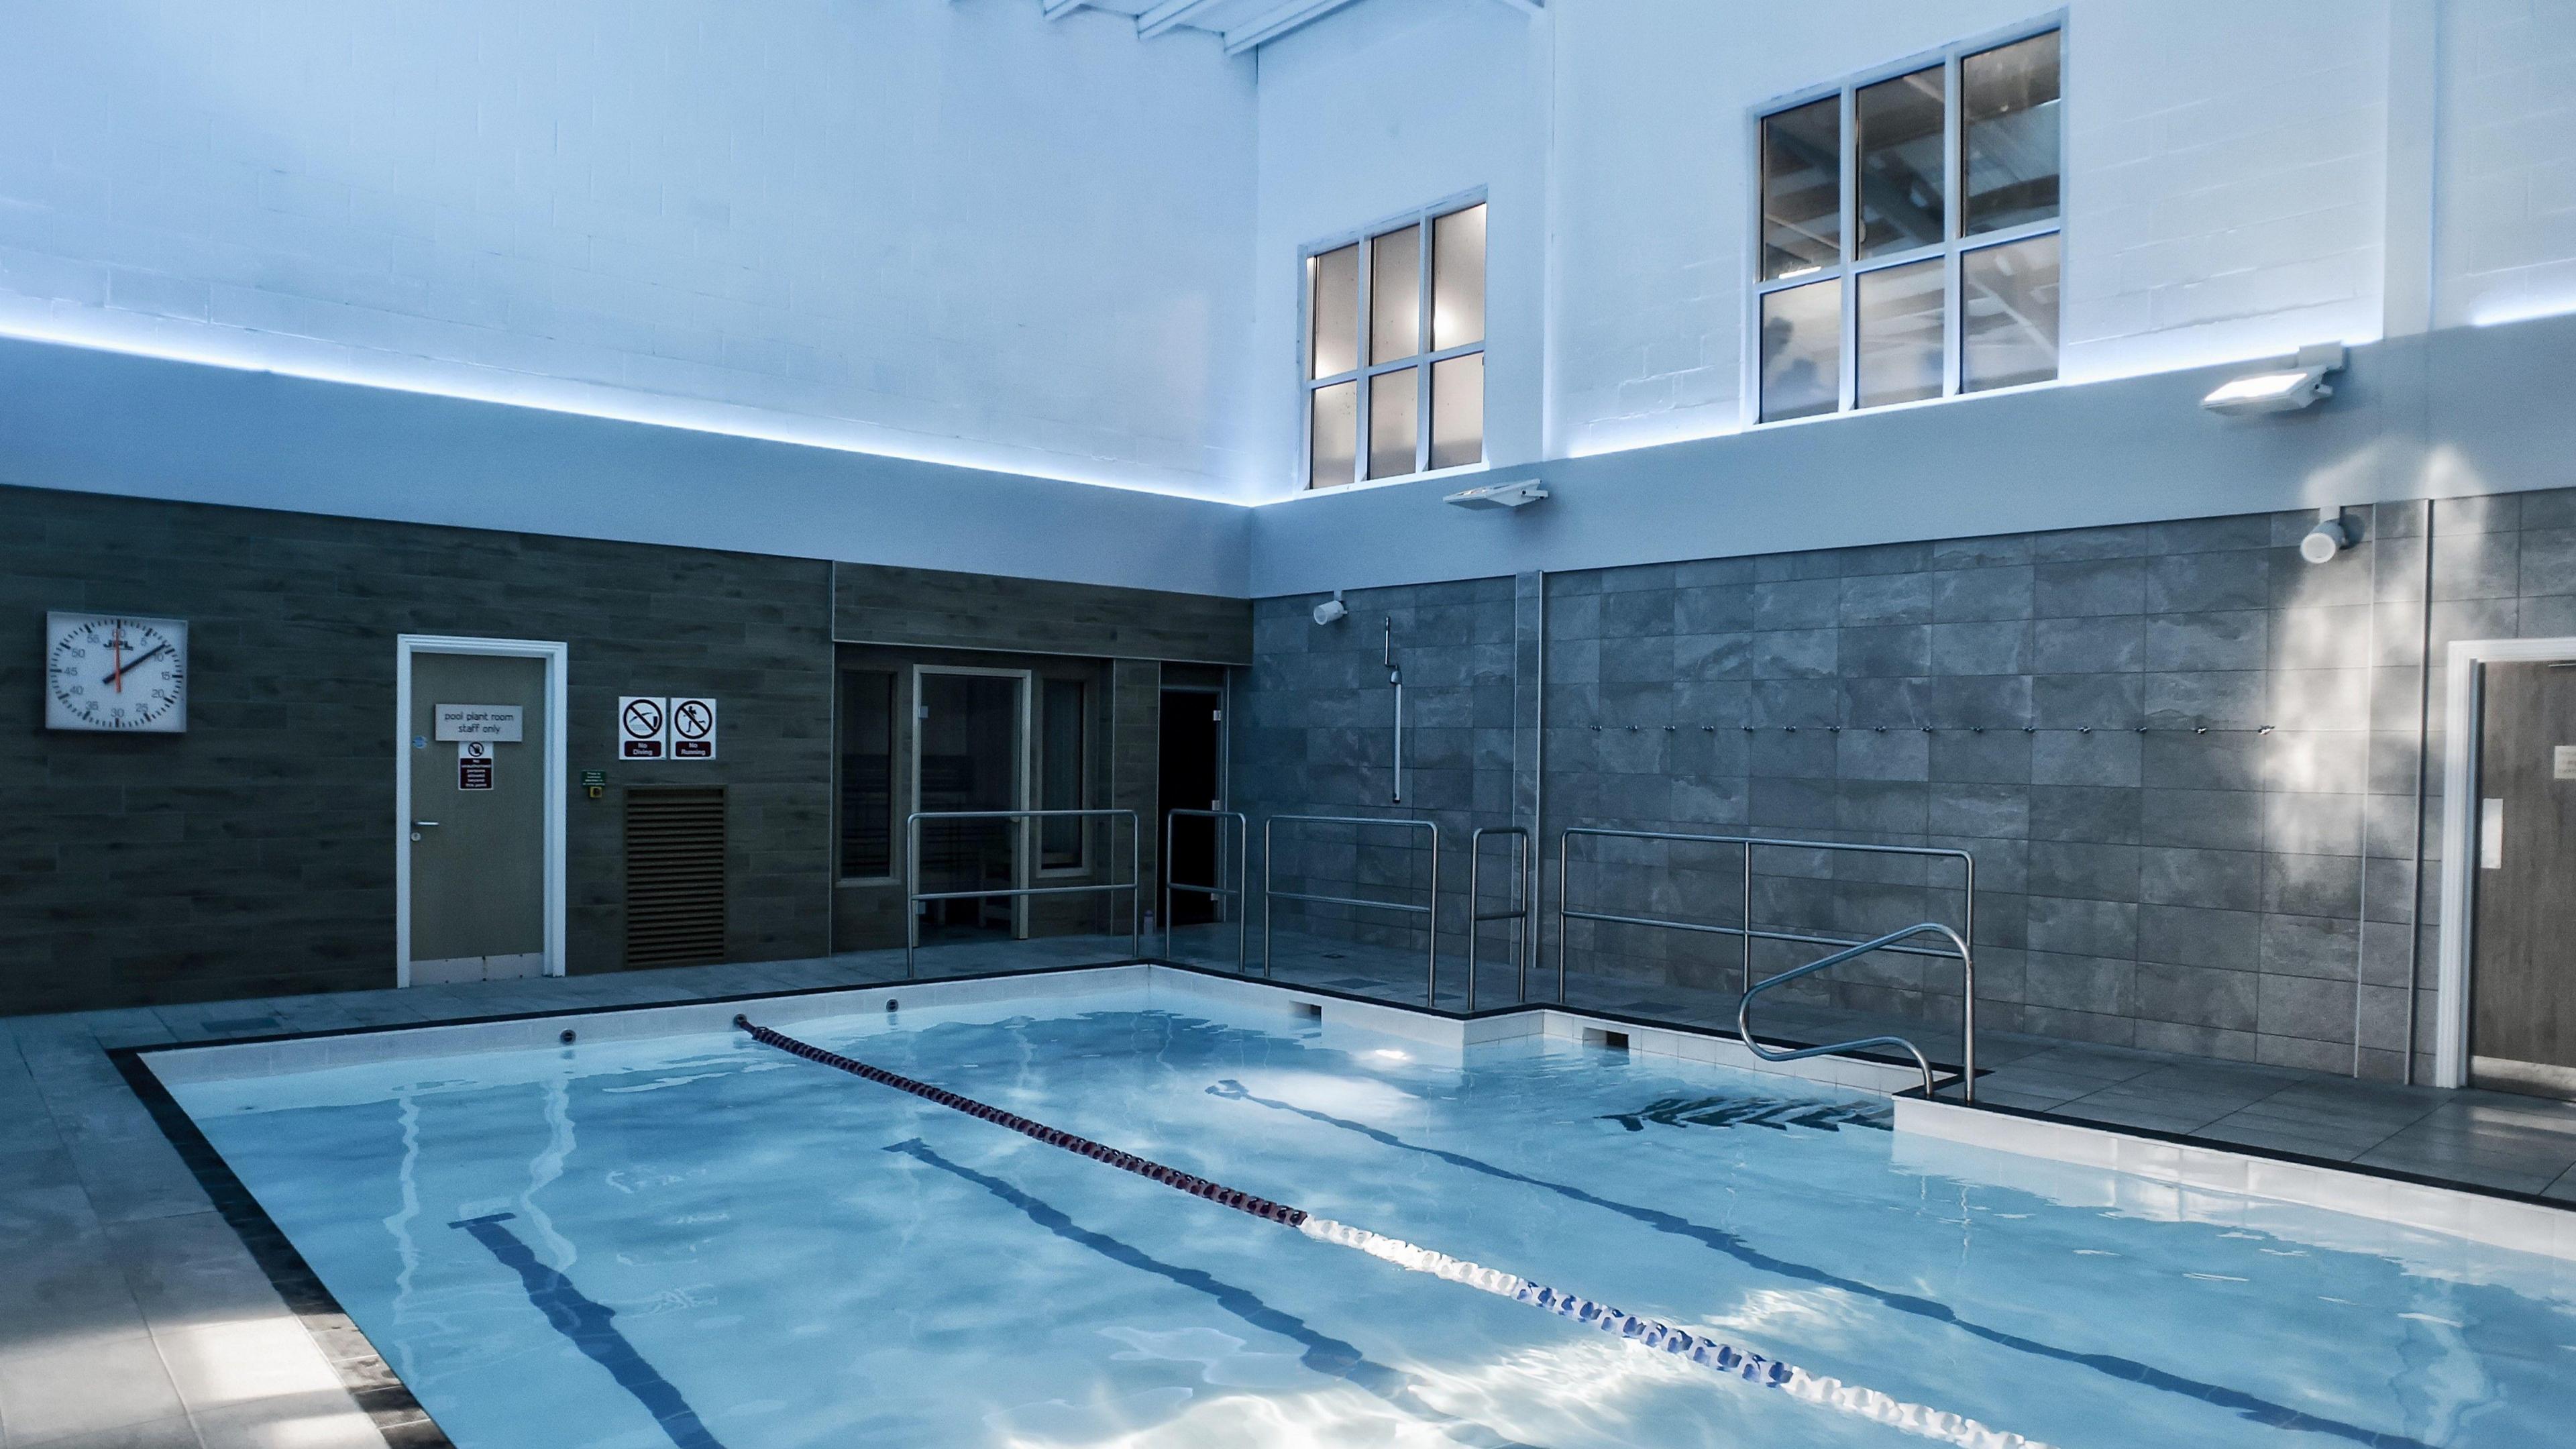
(1084,713)
(1424,360)
(897,703)
(1955,242)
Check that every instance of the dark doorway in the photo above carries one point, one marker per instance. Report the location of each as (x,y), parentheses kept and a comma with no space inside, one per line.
(1191,779)
(2523,967)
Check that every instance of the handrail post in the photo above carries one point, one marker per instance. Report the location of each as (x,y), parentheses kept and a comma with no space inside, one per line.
(1215,890)
(1431,974)
(1518,915)
(911,891)
(1136,883)
(1746,920)
(1267,856)
(1563,944)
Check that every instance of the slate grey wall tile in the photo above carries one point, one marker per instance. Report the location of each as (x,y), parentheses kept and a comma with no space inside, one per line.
(2072,757)
(1965,595)
(1986,647)
(2195,936)
(2088,646)
(2199,996)
(2229,880)
(2231,639)
(2091,587)
(1887,598)
(2194,583)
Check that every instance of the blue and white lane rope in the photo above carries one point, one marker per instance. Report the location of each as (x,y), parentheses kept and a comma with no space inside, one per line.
(1797,1383)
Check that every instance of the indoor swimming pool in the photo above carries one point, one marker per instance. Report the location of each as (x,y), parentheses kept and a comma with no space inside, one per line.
(693,1239)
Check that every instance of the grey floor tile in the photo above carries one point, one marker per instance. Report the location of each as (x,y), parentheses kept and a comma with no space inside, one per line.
(172,1433)
(73,1383)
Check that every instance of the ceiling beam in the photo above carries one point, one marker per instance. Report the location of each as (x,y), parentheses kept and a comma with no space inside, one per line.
(1058,9)
(1161,17)
(1272,24)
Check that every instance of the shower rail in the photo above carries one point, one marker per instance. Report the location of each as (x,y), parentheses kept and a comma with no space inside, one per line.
(1429,910)
(914,895)
(1520,913)
(1242,878)
(1749,933)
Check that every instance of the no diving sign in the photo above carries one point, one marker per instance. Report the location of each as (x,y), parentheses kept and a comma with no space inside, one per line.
(693,729)
(643,727)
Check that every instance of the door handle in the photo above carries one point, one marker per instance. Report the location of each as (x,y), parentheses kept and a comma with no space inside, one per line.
(423,824)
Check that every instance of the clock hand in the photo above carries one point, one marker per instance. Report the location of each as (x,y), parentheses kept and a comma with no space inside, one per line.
(125,665)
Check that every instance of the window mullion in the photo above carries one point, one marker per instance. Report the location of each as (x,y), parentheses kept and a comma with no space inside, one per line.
(1954,222)
(1364,346)
(1422,346)
(1849,141)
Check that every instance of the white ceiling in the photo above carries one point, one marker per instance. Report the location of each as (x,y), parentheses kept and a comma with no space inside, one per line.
(1245,24)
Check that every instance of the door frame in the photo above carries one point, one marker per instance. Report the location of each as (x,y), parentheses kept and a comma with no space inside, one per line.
(1222,693)
(2464,721)
(558,660)
(1022,854)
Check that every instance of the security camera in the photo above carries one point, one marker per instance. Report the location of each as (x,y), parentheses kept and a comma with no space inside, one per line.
(1331,610)
(2333,534)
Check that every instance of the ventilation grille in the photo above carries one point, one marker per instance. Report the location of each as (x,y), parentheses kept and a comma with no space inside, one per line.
(675,877)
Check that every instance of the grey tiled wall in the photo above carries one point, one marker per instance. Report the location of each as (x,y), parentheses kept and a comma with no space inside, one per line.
(2184,759)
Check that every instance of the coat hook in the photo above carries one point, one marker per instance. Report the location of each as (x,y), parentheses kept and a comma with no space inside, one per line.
(1793,729)
(1708,729)
(1881,729)
(1976,729)
(1833,729)
(1929,730)
(1632,729)
(1668,729)
(1596,729)
(2142,729)
(2084,729)
(2200,729)
(2030,729)
(2265,730)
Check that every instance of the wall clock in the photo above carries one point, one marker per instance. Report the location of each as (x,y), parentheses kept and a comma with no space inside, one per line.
(116,672)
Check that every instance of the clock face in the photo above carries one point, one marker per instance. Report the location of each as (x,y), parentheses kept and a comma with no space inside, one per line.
(115,672)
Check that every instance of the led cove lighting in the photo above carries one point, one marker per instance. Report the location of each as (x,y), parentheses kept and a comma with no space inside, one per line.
(575,399)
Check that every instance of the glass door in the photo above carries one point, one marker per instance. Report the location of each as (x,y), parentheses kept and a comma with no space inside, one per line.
(970,742)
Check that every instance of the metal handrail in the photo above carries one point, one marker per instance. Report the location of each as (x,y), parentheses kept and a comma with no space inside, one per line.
(1269,893)
(1520,913)
(1242,879)
(1748,844)
(1888,942)
(914,895)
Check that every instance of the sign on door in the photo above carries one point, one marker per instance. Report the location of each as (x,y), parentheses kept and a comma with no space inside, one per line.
(643,727)
(473,765)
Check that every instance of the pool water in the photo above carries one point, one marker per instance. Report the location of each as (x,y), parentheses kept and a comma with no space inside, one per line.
(702,1242)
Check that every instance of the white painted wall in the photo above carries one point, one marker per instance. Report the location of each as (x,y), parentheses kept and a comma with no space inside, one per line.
(2222,184)
(1381,109)
(2506,168)
(951,231)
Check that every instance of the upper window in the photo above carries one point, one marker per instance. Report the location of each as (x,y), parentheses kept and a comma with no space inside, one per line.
(1385,352)
(1909,242)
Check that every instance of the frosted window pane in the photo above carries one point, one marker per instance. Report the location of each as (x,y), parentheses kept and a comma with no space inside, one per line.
(1394,418)
(1900,334)
(1395,295)
(1802,189)
(1333,305)
(1457,282)
(2008,314)
(1458,411)
(1900,125)
(2008,116)
(1334,434)
(1802,351)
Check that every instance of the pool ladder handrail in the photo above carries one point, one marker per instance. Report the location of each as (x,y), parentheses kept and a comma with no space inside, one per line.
(1967,1068)
(1242,879)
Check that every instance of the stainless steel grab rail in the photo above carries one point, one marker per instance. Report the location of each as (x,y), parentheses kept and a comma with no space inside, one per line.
(1270,857)
(1242,878)
(1967,1055)
(1519,914)
(914,895)
(1748,844)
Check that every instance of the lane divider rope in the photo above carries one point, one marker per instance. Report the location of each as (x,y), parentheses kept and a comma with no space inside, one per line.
(1754,1368)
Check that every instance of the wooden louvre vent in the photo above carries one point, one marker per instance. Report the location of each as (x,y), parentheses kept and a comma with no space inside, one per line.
(675,877)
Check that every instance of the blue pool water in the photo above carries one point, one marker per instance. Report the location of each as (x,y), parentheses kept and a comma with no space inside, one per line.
(698,1241)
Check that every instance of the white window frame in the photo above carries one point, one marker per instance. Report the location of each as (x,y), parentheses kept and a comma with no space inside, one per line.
(1955,243)
(1309,384)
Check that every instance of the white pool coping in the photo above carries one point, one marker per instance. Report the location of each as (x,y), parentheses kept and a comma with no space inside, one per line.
(2200,1181)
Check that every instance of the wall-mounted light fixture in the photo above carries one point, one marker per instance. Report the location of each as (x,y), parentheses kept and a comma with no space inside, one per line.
(1332,610)
(2335,532)
(1500,495)
(2281,389)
